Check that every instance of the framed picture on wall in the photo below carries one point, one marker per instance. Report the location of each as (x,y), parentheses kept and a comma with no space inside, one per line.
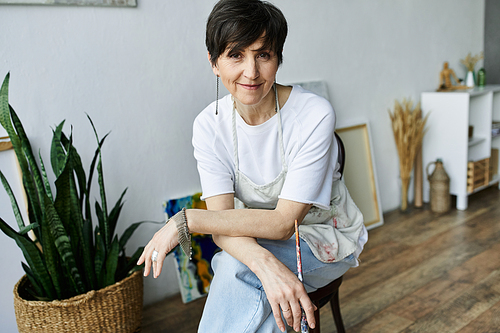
(107,3)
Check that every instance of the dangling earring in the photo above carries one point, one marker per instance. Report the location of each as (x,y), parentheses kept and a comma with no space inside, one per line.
(276,95)
(217,100)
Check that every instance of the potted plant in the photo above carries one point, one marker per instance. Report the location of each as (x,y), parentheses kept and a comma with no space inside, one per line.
(78,277)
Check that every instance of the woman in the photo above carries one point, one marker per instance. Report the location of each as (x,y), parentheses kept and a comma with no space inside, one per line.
(271,148)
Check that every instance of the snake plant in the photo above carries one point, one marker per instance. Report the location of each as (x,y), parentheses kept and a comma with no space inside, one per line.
(66,254)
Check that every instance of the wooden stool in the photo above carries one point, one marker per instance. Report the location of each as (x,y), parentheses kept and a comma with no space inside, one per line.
(322,296)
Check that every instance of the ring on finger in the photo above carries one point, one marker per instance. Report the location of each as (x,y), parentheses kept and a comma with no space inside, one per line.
(154,256)
(285,310)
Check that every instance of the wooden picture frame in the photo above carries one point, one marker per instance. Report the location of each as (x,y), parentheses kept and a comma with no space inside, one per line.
(359,172)
(5,143)
(104,3)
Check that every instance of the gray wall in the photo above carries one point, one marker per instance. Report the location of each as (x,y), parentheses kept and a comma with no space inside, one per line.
(492,41)
(142,73)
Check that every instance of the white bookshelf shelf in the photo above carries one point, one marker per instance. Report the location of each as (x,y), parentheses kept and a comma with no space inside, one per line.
(451,114)
(475,140)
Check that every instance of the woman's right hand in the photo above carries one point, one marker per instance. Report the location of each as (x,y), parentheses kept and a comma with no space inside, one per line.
(284,290)
(163,241)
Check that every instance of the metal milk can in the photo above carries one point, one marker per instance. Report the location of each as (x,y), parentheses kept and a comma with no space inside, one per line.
(439,181)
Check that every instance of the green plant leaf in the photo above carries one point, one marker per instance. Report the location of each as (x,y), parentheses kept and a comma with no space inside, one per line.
(88,243)
(57,153)
(112,262)
(63,205)
(6,122)
(5,111)
(63,246)
(5,119)
(46,183)
(52,258)
(130,230)
(29,227)
(28,152)
(100,219)
(34,282)
(33,257)
(77,224)
(76,164)
(62,201)
(32,179)
(131,265)
(91,174)
(115,213)
(99,259)
(104,206)
(135,269)
(13,201)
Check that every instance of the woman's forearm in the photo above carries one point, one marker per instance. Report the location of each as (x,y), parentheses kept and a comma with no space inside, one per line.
(244,249)
(257,223)
(238,223)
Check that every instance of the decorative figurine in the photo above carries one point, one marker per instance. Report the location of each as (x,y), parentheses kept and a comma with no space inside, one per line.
(445,83)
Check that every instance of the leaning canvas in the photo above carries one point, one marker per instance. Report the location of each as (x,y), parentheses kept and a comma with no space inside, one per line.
(194,275)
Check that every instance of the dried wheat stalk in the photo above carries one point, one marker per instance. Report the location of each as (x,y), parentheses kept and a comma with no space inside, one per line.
(408,129)
(470,62)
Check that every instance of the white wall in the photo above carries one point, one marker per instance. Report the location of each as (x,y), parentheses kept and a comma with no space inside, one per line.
(142,73)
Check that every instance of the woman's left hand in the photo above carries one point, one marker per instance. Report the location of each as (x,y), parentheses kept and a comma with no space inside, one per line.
(284,291)
(163,241)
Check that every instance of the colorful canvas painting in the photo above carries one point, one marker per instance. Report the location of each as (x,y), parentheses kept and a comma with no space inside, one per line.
(194,275)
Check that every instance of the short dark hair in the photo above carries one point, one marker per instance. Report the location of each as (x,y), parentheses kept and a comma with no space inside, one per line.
(239,23)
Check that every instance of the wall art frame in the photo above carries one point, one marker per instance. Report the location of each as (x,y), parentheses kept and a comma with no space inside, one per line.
(102,3)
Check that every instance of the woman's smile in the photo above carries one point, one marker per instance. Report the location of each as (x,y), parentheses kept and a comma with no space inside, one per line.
(250,86)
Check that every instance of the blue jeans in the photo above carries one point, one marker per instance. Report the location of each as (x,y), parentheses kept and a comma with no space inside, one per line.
(237,301)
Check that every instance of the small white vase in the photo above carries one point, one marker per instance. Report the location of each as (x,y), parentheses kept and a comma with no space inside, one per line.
(469,79)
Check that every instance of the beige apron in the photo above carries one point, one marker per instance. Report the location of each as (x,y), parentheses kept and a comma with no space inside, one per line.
(331,234)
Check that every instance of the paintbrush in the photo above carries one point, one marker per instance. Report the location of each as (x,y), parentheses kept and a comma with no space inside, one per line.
(303,321)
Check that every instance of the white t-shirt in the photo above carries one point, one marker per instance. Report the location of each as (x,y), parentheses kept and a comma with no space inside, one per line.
(334,231)
(310,148)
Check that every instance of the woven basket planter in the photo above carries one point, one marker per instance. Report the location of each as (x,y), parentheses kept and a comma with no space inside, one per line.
(116,308)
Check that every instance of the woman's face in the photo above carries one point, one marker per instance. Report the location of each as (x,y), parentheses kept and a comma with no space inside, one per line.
(248,73)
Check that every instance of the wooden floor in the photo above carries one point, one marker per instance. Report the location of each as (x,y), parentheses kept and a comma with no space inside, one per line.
(419,272)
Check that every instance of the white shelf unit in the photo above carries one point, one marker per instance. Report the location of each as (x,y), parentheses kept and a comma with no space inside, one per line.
(447,135)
